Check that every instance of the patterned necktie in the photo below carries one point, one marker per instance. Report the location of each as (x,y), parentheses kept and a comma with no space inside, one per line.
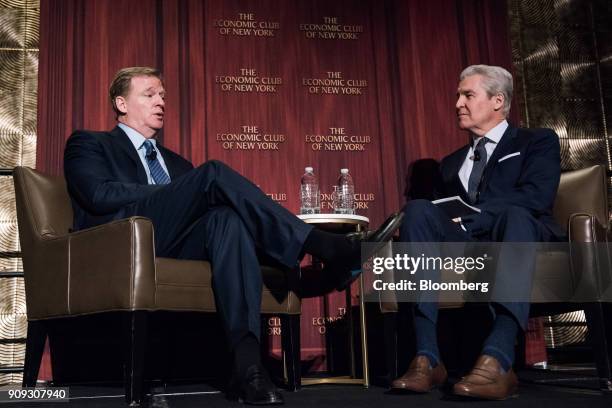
(158,173)
(480,161)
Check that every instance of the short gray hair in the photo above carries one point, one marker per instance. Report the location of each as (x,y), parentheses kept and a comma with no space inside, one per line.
(495,80)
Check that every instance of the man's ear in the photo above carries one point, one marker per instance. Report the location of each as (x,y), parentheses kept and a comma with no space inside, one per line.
(121,104)
(498,100)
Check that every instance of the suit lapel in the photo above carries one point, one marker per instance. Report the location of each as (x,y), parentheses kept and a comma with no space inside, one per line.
(168,160)
(124,143)
(506,143)
(456,161)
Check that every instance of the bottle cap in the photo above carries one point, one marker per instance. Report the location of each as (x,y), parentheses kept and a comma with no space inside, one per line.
(308,169)
(343,171)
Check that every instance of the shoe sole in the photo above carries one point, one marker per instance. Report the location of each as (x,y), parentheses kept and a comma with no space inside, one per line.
(401,390)
(391,229)
(374,247)
(468,396)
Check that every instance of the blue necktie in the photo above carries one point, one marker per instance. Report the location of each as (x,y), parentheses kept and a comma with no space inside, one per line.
(480,161)
(158,173)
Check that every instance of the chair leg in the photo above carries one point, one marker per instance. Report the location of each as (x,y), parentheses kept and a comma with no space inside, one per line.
(391,349)
(35,345)
(598,317)
(290,339)
(136,330)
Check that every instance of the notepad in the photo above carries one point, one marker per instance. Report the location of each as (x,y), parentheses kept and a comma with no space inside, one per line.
(455,207)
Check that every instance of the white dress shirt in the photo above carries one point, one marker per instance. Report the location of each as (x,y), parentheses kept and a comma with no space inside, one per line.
(494,135)
(138,140)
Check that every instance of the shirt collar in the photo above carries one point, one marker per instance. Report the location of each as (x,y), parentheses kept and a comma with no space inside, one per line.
(135,137)
(494,135)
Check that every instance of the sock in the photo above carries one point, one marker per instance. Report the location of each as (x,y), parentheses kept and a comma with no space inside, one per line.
(426,338)
(500,343)
(329,247)
(246,354)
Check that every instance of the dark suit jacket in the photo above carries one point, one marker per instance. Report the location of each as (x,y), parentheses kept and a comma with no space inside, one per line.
(104,174)
(523,171)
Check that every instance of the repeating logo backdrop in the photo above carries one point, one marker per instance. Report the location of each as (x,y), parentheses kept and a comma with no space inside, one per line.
(272,86)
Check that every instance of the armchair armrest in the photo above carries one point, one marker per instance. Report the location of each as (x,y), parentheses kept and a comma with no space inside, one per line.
(104,268)
(590,255)
(586,228)
(112,267)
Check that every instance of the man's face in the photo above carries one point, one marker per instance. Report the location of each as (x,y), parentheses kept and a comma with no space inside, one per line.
(476,111)
(143,105)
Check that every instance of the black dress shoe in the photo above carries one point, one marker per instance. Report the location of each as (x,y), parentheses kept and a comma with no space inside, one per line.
(347,273)
(386,230)
(255,388)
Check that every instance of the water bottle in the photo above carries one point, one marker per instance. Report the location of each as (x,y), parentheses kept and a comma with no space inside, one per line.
(345,194)
(310,199)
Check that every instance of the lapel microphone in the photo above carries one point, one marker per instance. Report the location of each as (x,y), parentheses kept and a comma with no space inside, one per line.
(152,155)
(476,155)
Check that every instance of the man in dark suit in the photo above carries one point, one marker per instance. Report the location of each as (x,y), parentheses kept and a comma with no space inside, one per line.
(512,175)
(210,212)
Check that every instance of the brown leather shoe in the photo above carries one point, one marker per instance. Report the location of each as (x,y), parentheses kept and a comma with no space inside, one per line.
(420,377)
(486,381)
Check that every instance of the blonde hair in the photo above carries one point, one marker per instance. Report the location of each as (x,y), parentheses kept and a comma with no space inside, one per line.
(123,80)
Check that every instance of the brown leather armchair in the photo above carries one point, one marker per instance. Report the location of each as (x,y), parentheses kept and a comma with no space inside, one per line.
(581,207)
(70,274)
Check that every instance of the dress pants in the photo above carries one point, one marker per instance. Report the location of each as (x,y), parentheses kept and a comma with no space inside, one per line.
(425,222)
(213,213)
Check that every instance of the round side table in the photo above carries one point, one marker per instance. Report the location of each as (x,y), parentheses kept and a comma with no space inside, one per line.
(344,223)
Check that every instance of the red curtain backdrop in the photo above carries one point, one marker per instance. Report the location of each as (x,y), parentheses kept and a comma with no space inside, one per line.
(409,52)
(396,62)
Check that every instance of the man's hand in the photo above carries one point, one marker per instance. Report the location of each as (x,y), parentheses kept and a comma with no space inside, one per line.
(458,221)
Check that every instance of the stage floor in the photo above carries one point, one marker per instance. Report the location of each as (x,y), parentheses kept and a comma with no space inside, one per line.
(542,389)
